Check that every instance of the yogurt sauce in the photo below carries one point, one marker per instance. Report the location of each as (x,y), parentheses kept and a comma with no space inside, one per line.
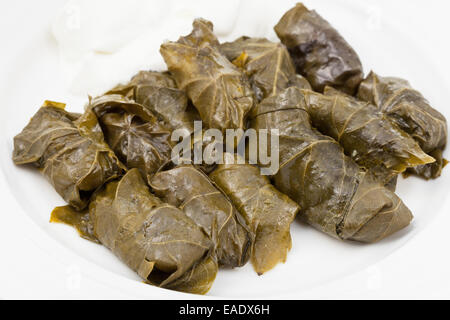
(105,42)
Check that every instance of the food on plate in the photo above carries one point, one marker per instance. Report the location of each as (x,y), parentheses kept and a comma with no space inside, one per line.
(156,240)
(412,112)
(70,151)
(337,145)
(267,64)
(158,92)
(218,89)
(133,133)
(267,211)
(319,52)
(367,135)
(192,191)
(335,194)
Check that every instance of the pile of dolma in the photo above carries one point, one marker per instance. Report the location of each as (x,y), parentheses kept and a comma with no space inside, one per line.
(343,141)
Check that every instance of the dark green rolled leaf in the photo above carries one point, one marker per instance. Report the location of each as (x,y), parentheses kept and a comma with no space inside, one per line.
(335,194)
(319,52)
(70,150)
(169,104)
(367,135)
(158,241)
(412,112)
(191,190)
(218,89)
(267,64)
(133,133)
(160,79)
(268,212)
(158,92)
(202,35)
(392,184)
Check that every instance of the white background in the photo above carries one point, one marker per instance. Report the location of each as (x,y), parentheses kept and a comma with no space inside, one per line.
(33,265)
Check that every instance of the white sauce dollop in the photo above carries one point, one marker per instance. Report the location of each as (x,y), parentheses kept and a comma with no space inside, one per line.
(105,42)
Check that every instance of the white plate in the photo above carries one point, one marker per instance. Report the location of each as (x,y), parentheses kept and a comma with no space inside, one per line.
(43,260)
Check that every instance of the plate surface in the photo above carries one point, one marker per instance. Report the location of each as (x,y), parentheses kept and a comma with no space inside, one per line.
(48,260)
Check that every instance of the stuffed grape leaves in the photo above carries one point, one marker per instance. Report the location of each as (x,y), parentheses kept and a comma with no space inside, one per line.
(412,112)
(267,64)
(192,191)
(268,212)
(218,89)
(335,194)
(71,151)
(159,79)
(332,143)
(133,133)
(158,92)
(368,136)
(158,241)
(319,52)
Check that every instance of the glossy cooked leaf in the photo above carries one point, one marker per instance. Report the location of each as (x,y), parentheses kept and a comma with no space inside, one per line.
(217,88)
(367,135)
(169,104)
(202,35)
(268,212)
(335,194)
(300,82)
(70,150)
(267,64)
(412,112)
(160,79)
(157,240)
(392,184)
(133,133)
(319,52)
(197,280)
(158,92)
(191,190)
